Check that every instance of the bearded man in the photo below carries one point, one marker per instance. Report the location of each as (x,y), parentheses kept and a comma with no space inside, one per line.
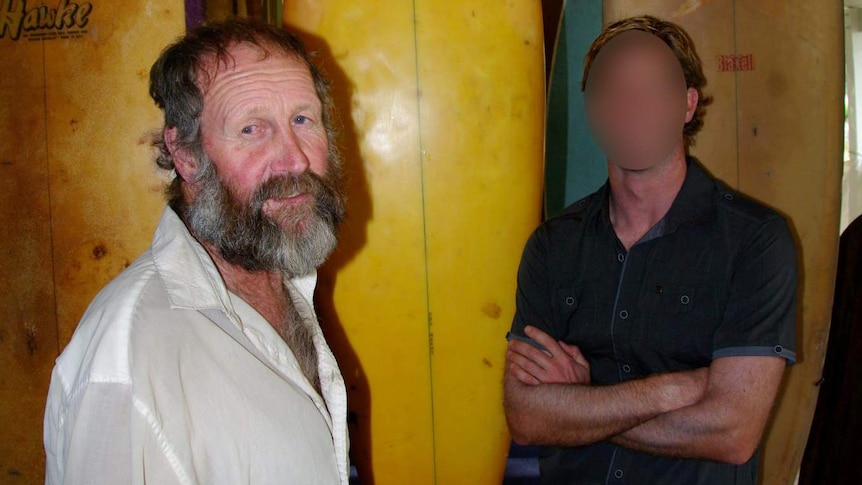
(203,362)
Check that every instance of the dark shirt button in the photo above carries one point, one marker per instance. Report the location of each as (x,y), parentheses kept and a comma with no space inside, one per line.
(570,301)
(624,314)
(728,196)
(618,473)
(627,368)
(684,299)
(621,257)
(779,349)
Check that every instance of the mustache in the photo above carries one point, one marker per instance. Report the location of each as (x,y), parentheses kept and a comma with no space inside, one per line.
(325,191)
(285,186)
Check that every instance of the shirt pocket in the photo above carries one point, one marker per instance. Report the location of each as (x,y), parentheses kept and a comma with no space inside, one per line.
(578,318)
(680,325)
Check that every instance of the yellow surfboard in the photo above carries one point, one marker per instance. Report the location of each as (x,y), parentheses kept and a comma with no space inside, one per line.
(775,132)
(443,106)
(79,192)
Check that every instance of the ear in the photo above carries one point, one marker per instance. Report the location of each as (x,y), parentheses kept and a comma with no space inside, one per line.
(691,99)
(185,164)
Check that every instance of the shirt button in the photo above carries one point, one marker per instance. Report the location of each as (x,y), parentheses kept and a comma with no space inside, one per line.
(627,368)
(779,349)
(624,314)
(618,473)
(684,299)
(570,301)
(621,257)
(728,196)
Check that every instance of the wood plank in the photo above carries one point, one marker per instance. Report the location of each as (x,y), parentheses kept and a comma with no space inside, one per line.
(79,192)
(106,194)
(28,331)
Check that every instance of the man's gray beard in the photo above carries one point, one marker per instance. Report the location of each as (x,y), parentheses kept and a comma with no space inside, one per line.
(297,243)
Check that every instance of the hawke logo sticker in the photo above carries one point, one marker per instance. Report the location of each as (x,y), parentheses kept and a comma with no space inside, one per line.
(68,21)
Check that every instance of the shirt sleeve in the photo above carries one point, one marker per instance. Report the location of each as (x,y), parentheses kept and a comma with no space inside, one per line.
(87,436)
(533,295)
(760,315)
(95,435)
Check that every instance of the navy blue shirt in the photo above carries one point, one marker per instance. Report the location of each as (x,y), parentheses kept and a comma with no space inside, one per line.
(716,277)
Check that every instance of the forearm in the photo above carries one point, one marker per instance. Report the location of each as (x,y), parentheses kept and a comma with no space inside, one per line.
(726,425)
(574,415)
(700,431)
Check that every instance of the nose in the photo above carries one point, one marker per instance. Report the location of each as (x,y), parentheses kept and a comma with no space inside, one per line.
(289,155)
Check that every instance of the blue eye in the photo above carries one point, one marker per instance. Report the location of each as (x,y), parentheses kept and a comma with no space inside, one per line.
(248,130)
(300,120)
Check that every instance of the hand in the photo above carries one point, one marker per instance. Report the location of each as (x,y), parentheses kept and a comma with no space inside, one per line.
(560,364)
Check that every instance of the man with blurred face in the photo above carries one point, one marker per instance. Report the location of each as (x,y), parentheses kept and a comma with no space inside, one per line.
(203,362)
(655,317)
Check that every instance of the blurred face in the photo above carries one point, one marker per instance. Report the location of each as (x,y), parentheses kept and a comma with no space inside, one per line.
(637,102)
(266,194)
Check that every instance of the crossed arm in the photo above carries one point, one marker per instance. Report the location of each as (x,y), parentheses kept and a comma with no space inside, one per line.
(716,413)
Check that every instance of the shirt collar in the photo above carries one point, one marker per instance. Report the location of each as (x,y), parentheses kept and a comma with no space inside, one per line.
(190,276)
(695,203)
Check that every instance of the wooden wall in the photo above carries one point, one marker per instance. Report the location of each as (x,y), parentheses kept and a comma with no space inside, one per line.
(79,192)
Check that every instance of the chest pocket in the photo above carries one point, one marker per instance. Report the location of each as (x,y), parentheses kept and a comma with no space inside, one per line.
(578,318)
(680,324)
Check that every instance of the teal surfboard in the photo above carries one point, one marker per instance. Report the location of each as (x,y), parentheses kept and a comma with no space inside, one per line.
(574,165)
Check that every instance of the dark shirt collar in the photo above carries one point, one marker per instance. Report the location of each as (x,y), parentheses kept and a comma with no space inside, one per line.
(696,202)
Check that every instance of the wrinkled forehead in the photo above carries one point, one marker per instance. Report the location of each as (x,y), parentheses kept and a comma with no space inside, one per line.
(243,57)
(636,48)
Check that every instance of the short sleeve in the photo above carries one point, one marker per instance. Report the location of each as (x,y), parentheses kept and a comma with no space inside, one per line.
(759,318)
(533,295)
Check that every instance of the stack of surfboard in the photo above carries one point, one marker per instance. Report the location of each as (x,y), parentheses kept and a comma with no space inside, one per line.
(443,112)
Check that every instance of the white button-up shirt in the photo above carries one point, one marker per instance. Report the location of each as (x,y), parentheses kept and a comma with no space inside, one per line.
(171,379)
